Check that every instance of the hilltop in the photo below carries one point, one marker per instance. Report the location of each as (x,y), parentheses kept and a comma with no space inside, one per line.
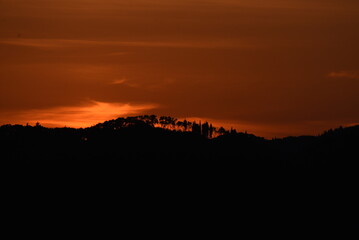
(145,159)
(131,143)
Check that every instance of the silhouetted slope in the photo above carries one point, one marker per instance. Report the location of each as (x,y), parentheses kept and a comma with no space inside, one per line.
(238,171)
(135,145)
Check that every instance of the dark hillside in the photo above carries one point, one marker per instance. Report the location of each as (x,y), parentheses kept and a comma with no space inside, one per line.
(136,156)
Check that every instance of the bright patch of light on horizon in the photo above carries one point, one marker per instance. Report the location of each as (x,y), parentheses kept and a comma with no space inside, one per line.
(82,116)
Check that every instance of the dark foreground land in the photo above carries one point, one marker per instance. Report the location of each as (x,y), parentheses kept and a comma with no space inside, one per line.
(231,181)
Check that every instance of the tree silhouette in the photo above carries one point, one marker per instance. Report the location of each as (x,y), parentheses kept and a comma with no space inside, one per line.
(143,153)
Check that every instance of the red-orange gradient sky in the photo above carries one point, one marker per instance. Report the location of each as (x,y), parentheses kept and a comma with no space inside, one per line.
(271,67)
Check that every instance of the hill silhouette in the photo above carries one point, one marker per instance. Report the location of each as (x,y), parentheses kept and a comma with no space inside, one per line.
(150,139)
(151,155)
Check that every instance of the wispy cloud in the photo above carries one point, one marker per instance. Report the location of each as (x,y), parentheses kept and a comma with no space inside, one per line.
(81,116)
(117,53)
(124,81)
(68,43)
(119,81)
(344,74)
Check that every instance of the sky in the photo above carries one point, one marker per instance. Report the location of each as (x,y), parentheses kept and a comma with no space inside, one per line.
(270,67)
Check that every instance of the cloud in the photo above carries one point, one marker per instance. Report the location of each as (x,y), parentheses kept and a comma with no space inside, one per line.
(76,43)
(117,53)
(81,116)
(124,81)
(344,74)
(119,81)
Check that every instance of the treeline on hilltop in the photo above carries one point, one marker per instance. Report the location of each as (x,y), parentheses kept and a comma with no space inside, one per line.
(143,138)
(150,147)
(145,152)
(148,138)
(205,129)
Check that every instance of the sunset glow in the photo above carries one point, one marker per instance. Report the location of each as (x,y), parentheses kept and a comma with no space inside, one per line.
(271,67)
(79,116)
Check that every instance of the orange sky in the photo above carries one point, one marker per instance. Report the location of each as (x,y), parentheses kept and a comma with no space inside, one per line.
(271,67)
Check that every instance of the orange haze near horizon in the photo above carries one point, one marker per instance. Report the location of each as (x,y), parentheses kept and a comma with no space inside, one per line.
(270,67)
